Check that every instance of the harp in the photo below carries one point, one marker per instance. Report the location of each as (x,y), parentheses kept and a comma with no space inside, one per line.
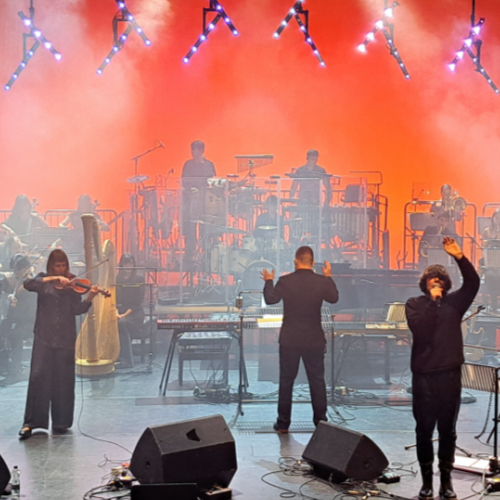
(98,344)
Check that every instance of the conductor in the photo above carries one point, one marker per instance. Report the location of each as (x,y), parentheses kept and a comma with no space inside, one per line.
(301,335)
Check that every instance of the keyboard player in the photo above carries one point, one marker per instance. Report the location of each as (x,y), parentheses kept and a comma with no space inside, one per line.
(301,334)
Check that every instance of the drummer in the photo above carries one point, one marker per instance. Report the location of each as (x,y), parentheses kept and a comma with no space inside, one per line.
(267,222)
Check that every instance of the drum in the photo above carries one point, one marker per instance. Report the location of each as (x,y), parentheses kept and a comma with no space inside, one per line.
(278,244)
(218,257)
(250,243)
(273,246)
(251,279)
(239,259)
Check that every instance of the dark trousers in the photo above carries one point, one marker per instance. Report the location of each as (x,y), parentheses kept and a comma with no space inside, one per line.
(314,364)
(436,400)
(129,328)
(51,387)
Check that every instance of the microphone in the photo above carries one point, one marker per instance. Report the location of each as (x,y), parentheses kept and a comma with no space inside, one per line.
(438,298)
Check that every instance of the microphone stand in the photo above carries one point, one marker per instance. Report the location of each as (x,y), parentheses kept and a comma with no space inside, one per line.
(134,230)
(243,377)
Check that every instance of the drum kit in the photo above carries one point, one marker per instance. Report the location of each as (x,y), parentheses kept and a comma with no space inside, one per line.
(239,253)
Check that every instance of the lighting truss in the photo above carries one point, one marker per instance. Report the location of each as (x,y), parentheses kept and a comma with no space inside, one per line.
(122,16)
(220,13)
(473,41)
(296,11)
(39,38)
(386,27)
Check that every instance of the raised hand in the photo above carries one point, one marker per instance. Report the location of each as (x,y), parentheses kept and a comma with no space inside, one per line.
(266,275)
(327,269)
(452,248)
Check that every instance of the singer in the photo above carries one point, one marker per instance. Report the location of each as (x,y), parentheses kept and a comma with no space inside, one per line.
(437,355)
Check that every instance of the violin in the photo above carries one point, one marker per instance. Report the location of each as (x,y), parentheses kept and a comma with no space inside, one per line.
(81,286)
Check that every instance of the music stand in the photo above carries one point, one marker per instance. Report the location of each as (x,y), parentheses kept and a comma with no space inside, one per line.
(484,378)
(249,162)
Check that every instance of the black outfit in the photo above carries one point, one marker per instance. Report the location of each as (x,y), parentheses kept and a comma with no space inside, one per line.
(17,326)
(52,377)
(310,181)
(436,360)
(129,295)
(265,219)
(301,336)
(194,184)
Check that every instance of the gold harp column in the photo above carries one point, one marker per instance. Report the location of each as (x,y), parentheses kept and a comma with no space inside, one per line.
(98,344)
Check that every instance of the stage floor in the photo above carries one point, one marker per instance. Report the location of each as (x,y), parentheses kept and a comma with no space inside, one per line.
(111,413)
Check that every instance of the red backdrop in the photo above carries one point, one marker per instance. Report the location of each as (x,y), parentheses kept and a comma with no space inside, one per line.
(64,130)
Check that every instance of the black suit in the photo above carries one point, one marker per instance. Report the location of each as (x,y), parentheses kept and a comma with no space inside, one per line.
(301,336)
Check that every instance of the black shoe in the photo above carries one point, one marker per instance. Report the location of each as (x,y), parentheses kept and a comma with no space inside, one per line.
(59,430)
(24,433)
(280,430)
(446,489)
(426,492)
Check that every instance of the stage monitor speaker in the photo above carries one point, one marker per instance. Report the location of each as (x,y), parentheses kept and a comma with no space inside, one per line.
(200,451)
(4,475)
(337,454)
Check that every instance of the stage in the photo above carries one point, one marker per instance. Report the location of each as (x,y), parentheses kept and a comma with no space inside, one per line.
(111,413)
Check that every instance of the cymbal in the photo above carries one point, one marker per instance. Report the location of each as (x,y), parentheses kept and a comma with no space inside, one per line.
(231,230)
(289,200)
(137,179)
(201,222)
(251,190)
(267,228)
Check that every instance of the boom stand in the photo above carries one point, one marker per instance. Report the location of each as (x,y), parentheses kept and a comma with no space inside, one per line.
(243,378)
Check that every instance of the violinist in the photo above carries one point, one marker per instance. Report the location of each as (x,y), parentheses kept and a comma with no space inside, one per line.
(17,326)
(51,387)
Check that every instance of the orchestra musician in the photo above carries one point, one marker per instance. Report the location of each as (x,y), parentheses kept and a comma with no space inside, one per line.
(437,355)
(195,173)
(11,246)
(308,179)
(129,300)
(491,239)
(22,220)
(51,387)
(492,232)
(301,335)
(84,206)
(433,236)
(17,326)
(75,239)
(266,224)
(447,203)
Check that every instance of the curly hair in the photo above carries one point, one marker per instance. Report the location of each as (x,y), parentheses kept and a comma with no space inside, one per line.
(435,271)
